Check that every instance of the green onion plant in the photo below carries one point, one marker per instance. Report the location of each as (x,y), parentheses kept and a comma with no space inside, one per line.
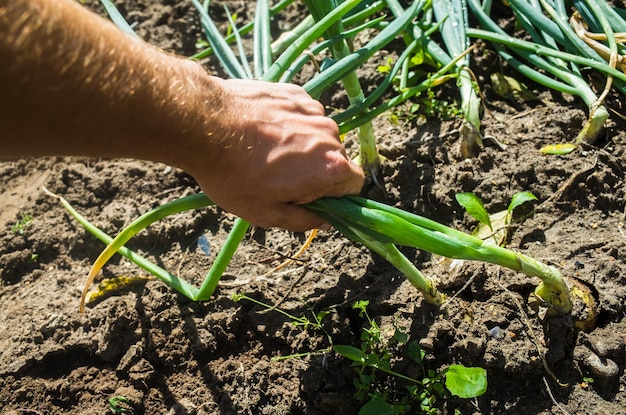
(245,29)
(451,21)
(369,158)
(381,227)
(452,16)
(556,56)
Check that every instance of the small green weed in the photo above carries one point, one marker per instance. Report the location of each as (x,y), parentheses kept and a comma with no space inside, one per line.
(21,224)
(496,225)
(304,322)
(121,405)
(376,383)
(381,395)
(424,108)
(432,107)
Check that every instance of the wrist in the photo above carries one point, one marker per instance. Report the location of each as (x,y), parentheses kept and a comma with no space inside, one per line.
(186,117)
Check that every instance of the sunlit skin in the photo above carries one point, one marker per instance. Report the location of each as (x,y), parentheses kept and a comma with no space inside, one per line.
(73,84)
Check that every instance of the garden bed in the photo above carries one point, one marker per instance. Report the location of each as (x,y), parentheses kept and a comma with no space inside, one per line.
(168,355)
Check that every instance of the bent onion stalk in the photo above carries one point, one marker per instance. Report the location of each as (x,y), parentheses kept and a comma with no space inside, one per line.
(375,225)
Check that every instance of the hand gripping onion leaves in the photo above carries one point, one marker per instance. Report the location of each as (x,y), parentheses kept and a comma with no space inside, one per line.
(379,227)
(375,225)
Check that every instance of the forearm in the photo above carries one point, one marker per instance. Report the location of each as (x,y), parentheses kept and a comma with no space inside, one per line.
(73,84)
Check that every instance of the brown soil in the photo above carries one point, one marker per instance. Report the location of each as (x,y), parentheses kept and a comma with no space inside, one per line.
(169,355)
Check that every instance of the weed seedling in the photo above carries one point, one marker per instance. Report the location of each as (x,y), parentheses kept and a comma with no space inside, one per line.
(379,393)
(121,405)
(492,227)
(21,224)
(304,322)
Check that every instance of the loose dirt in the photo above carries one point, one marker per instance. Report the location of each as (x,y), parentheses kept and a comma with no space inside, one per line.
(168,355)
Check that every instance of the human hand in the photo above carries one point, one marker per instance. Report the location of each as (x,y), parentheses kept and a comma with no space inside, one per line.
(277,150)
